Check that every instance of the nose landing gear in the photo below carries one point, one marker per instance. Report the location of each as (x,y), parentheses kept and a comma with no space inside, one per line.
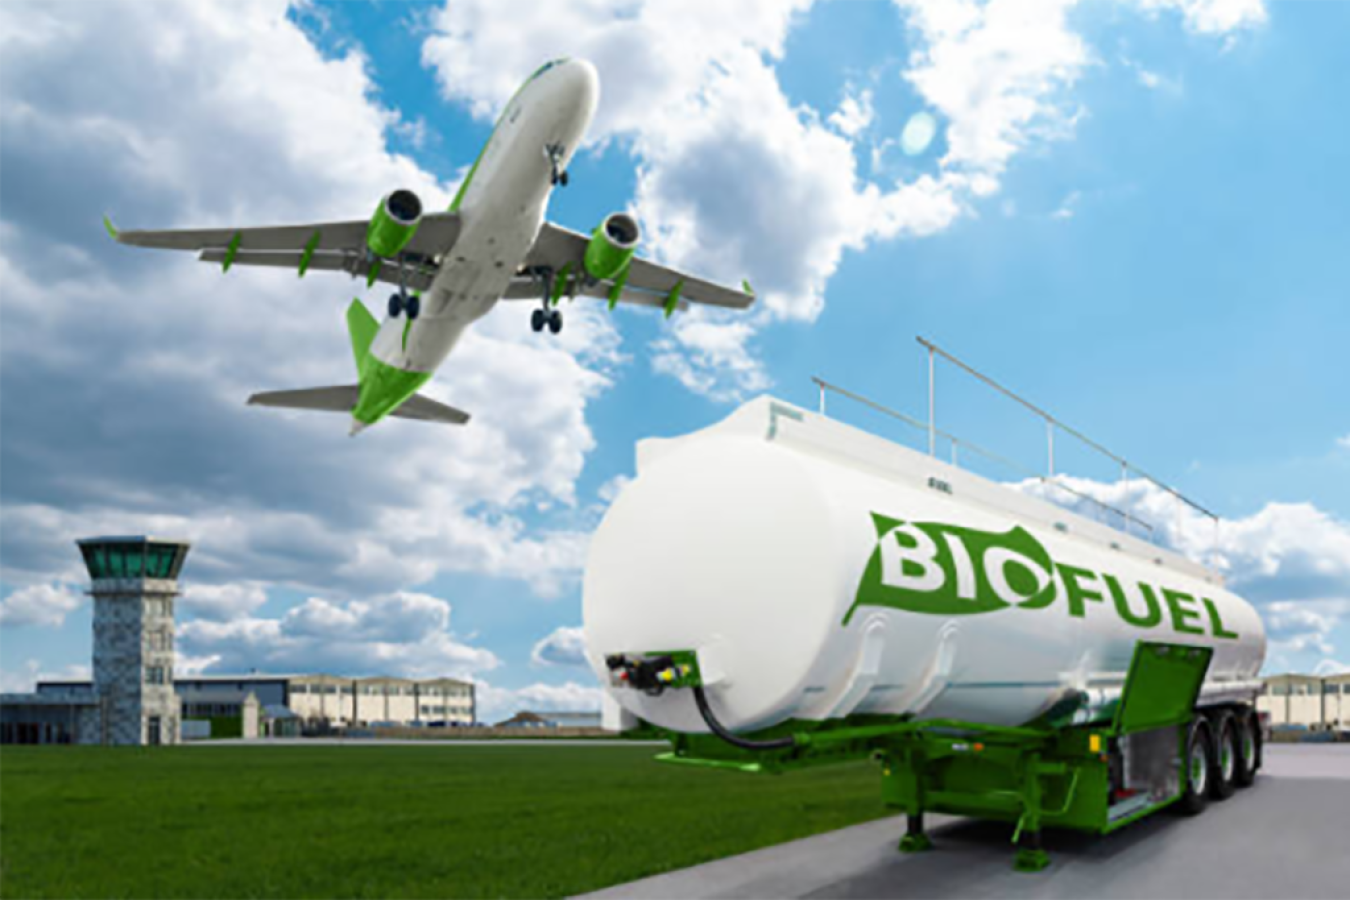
(554,154)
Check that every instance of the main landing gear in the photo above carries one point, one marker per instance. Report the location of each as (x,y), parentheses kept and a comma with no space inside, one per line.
(557,175)
(404,303)
(552,318)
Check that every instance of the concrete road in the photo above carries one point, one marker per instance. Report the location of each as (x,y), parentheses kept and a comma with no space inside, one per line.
(1287,837)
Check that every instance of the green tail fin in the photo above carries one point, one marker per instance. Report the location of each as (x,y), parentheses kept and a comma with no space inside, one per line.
(363,328)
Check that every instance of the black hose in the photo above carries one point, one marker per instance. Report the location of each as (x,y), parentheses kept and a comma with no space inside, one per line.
(717,728)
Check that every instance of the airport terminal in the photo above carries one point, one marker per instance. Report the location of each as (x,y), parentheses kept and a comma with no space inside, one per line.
(135,698)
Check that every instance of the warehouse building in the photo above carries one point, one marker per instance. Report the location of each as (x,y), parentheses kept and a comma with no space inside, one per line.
(256,705)
(1318,703)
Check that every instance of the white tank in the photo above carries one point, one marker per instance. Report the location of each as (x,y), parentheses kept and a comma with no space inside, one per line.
(820,571)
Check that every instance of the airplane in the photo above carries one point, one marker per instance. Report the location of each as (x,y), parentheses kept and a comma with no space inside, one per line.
(451,268)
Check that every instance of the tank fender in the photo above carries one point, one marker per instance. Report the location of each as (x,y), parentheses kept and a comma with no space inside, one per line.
(936,674)
(865,670)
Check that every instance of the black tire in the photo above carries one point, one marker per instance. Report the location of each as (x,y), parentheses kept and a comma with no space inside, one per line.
(395,306)
(1196,767)
(1227,747)
(562,179)
(413,306)
(555,322)
(1249,748)
(538,319)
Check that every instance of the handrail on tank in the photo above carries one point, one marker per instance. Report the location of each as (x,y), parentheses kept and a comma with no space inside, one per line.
(1051,420)
(987,454)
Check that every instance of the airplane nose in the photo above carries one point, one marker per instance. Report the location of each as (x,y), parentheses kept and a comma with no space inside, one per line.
(583,81)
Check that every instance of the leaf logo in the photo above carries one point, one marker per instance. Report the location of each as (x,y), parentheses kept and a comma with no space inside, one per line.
(948,570)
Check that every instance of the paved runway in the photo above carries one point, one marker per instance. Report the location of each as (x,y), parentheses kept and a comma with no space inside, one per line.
(1287,837)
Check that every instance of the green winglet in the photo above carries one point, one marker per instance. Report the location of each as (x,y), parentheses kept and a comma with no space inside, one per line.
(616,291)
(231,250)
(374,272)
(362,327)
(673,299)
(309,253)
(112,230)
(745,286)
(560,284)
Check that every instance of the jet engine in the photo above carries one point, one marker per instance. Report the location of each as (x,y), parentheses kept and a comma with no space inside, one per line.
(612,246)
(394,223)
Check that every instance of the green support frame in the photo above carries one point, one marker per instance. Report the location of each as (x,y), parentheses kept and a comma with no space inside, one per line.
(1036,776)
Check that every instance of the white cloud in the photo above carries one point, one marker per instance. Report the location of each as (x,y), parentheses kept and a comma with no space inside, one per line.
(404,633)
(496,704)
(25,681)
(997,73)
(736,181)
(221,602)
(194,114)
(39,604)
(563,647)
(1291,560)
(855,113)
(1213,17)
(1343,442)
(1067,206)
(1331,667)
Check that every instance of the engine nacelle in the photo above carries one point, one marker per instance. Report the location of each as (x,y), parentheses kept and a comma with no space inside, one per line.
(612,246)
(394,223)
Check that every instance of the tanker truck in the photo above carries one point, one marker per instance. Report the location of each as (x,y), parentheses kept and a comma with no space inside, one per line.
(782,590)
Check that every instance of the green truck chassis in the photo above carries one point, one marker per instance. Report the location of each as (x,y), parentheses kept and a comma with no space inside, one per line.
(1149,749)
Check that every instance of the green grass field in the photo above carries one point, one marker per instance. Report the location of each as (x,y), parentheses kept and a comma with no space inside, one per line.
(410,821)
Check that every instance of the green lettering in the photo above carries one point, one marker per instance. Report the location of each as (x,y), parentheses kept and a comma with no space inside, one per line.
(1076,592)
(1215,623)
(1180,614)
(1150,619)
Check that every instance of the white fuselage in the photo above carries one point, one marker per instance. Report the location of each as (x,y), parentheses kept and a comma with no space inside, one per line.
(502,208)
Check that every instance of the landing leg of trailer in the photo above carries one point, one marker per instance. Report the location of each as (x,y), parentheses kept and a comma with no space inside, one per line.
(1031,856)
(915,840)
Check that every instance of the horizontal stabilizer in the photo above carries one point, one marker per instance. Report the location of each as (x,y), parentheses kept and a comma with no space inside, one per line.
(341,398)
(424,409)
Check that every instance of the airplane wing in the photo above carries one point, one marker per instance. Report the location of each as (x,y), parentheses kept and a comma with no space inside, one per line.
(325,246)
(647,284)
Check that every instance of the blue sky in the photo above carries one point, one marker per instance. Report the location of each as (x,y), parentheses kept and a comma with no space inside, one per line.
(1131,212)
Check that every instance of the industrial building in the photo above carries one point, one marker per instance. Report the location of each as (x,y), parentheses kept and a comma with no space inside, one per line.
(1317,703)
(135,697)
(284,705)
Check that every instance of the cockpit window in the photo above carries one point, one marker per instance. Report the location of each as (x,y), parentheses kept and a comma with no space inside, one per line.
(546,66)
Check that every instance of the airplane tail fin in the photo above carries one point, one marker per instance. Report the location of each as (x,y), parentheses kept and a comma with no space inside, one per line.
(363,328)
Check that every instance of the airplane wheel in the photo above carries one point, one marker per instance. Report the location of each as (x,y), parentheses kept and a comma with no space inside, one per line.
(562,179)
(555,321)
(395,306)
(414,306)
(537,320)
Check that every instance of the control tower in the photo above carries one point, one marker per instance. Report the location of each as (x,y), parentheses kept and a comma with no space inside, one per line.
(134,584)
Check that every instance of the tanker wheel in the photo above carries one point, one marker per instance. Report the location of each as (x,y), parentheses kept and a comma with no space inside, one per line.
(1197,766)
(1227,751)
(1249,744)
